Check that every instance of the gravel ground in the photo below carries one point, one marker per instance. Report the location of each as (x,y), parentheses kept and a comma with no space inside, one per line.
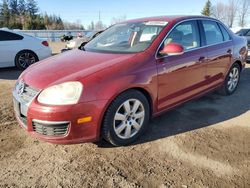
(203,143)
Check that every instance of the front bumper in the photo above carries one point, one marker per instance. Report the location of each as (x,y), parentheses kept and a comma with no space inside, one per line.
(59,124)
(44,53)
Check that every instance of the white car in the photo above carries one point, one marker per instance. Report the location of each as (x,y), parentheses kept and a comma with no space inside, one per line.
(21,50)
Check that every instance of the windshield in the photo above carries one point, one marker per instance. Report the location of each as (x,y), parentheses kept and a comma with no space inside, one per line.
(126,38)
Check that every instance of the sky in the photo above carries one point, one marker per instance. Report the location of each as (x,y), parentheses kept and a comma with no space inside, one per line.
(86,11)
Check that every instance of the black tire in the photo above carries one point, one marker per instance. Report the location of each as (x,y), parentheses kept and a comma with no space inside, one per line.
(225,88)
(25,58)
(109,122)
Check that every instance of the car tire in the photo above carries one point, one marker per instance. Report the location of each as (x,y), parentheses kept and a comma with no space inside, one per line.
(231,82)
(126,118)
(25,58)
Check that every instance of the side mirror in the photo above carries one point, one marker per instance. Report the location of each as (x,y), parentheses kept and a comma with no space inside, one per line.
(172,49)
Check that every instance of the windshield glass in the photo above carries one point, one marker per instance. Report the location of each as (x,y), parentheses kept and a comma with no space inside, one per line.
(126,37)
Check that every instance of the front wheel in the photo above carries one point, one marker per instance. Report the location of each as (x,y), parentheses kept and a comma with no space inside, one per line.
(232,81)
(126,118)
(25,58)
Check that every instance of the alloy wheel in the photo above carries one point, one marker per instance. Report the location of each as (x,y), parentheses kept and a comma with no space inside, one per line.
(129,119)
(26,59)
(233,79)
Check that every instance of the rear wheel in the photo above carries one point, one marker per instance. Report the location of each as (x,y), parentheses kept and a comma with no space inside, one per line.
(25,58)
(126,118)
(232,81)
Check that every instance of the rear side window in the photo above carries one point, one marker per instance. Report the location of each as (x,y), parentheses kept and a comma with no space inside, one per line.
(225,33)
(7,36)
(212,32)
(186,34)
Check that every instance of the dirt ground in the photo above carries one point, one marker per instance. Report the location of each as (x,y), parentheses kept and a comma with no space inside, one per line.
(203,143)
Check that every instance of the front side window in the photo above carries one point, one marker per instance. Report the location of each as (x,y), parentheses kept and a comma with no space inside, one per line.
(213,33)
(126,37)
(7,36)
(185,34)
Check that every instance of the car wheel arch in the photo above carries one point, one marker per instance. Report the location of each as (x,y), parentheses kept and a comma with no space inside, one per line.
(145,92)
(235,61)
(239,63)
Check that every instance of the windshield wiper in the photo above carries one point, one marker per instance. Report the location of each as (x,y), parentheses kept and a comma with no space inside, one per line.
(82,46)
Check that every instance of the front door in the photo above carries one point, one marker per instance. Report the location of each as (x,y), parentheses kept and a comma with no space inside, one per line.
(181,77)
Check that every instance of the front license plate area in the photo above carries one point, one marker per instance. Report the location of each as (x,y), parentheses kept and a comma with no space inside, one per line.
(17,107)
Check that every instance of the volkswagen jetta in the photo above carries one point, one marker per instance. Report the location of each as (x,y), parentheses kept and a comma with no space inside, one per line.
(131,72)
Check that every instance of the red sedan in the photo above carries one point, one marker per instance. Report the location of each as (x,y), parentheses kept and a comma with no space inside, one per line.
(131,72)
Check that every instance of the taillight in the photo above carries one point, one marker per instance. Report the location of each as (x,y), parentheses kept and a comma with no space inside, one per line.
(45,43)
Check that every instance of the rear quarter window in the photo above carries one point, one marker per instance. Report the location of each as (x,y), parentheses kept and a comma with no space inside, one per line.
(7,36)
(226,36)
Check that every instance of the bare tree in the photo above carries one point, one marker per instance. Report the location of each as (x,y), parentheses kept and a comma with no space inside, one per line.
(232,11)
(219,11)
(226,12)
(73,25)
(99,26)
(91,26)
(243,12)
(118,19)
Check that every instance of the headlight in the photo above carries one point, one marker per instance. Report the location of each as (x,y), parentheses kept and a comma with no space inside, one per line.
(62,94)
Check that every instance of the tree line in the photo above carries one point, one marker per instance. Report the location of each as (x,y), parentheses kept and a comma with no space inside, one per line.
(232,13)
(24,14)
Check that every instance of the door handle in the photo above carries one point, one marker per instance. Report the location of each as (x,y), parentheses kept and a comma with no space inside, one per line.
(229,51)
(202,58)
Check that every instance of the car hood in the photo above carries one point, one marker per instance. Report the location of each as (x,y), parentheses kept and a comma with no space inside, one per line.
(70,66)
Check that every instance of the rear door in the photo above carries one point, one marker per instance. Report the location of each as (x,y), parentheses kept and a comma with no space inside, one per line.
(180,77)
(219,48)
(9,47)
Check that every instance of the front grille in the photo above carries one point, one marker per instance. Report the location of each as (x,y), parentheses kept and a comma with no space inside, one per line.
(50,128)
(28,94)
(23,95)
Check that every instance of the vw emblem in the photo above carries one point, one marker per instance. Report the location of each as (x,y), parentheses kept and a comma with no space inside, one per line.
(20,88)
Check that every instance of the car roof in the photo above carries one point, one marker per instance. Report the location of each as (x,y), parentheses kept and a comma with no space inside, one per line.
(19,32)
(11,31)
(169,18)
